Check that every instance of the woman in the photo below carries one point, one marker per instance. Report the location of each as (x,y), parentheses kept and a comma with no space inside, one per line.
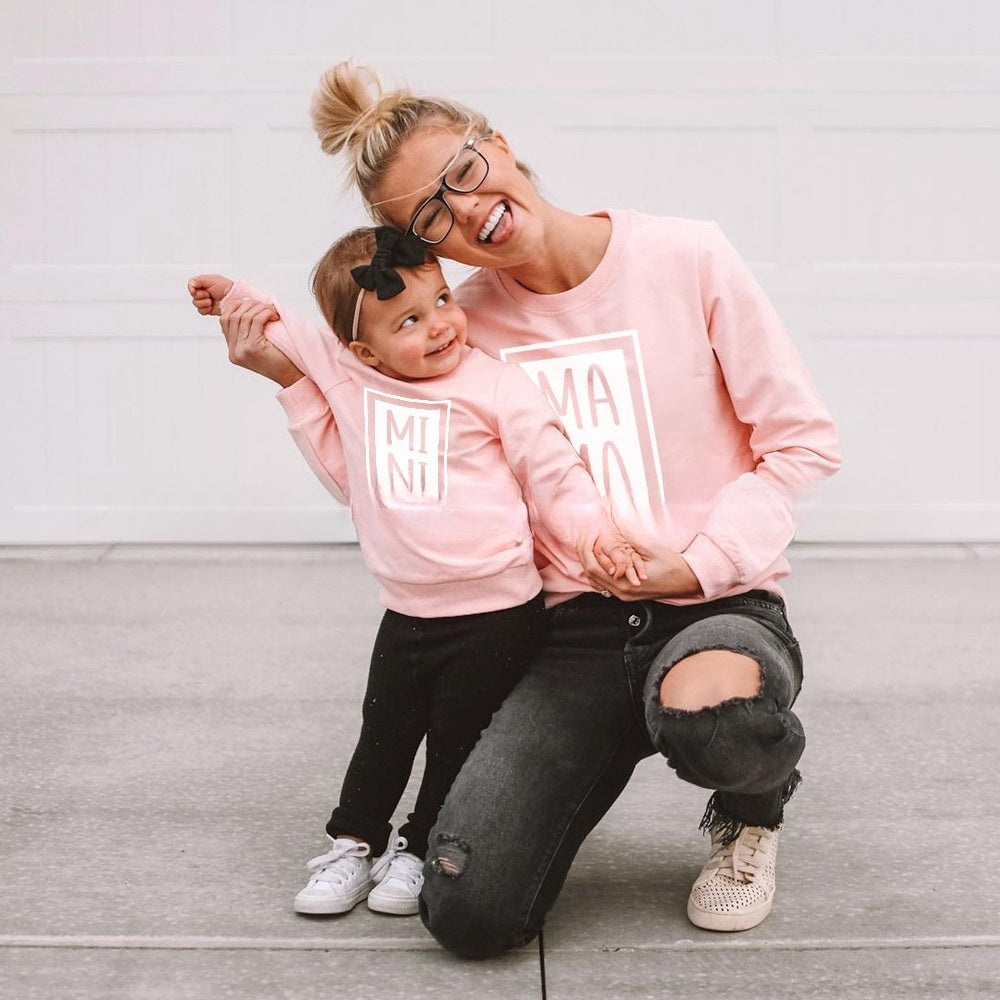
(678,384)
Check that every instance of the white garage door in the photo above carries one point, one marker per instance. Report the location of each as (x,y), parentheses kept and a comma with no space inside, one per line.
(850,150)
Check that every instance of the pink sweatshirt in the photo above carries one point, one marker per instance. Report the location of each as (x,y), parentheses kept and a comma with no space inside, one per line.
(441,475)
(679,385)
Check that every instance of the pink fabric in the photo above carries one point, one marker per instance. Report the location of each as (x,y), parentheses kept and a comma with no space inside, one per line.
(441,475)
(679,384)
(676,381)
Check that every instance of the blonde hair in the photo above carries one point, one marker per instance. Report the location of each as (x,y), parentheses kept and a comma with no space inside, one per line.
(334,288)
(352,113)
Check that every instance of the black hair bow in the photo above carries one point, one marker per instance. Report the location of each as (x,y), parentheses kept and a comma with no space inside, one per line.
(393,248)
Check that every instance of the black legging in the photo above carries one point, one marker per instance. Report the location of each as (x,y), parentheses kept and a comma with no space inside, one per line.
(442,678)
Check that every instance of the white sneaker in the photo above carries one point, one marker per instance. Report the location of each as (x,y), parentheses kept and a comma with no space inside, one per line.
(400,877)
(341,879)
(735,889)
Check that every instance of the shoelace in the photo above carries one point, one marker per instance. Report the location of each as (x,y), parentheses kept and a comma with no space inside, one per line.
(740,855)
(325,865)
(405,870)
(397,867)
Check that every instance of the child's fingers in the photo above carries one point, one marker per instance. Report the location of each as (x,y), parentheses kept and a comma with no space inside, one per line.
(207,292)
(603,558)
(623,561)
(635,569)
(607,563)
(614,563)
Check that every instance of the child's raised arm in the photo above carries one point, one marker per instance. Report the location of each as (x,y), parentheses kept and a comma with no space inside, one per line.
(244,317)
(248,347)
(243,322)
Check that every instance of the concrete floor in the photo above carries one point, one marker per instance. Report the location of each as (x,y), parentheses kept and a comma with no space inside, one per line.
(175,721)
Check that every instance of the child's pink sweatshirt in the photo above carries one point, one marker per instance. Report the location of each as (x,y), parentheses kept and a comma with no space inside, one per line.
(441,475)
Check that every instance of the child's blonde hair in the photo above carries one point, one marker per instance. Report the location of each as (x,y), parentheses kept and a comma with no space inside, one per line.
(334,288)
(352,113)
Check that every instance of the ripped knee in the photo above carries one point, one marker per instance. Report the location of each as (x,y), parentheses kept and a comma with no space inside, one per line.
(468,917)
(449,855)
(709,678)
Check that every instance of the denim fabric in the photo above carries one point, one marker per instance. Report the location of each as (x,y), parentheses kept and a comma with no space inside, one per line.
(442,678)
(746,748)
(566,740)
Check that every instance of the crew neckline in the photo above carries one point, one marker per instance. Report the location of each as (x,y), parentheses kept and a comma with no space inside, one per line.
(593,285)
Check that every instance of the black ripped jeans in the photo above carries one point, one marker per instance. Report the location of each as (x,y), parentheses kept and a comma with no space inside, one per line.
(565,742)
(442,678)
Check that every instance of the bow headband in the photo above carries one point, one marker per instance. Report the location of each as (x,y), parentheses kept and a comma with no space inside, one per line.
(393,248)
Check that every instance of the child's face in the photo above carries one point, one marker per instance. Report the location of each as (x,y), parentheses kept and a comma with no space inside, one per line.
(417,334)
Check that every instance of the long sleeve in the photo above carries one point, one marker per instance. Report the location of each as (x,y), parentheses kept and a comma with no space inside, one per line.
(314,430)
(311,422)
(792,436)
(562,500)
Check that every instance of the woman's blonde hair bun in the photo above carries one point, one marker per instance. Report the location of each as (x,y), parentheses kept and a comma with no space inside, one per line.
(354,114)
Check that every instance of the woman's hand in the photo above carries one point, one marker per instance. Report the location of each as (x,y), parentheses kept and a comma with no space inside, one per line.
(243,325)
(667,574)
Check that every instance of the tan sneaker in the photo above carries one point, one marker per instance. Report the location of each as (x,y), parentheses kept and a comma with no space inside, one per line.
(735,889)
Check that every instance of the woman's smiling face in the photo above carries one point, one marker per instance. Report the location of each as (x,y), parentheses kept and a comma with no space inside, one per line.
(494,224)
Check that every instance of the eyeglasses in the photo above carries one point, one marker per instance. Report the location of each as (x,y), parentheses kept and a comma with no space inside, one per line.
(433,220)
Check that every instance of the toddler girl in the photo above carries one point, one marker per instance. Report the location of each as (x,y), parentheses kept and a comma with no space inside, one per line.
(448,460)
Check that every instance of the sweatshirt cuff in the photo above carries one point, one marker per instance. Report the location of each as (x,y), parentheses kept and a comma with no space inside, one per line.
(241,289)
(716,572)
(302,400)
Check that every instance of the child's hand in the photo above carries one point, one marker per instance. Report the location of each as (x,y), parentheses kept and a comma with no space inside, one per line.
(207,291)
(243,325)
(619,559)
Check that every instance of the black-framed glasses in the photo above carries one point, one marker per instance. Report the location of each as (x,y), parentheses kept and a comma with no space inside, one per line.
(433,220)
